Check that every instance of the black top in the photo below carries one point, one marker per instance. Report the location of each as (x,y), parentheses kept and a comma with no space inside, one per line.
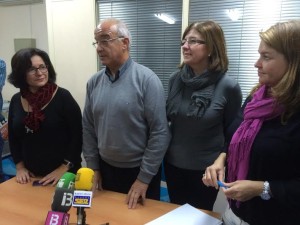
(275,157)
(59,136)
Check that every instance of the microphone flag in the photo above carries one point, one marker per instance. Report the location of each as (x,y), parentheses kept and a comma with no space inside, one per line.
(57,218)
(62,200)
(66,181)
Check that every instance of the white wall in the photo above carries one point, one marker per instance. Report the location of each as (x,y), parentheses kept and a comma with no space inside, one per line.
(71,25)
(27,21)
(64,29)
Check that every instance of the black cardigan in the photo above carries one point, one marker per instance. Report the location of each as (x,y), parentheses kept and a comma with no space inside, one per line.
(59,136)
(275,157)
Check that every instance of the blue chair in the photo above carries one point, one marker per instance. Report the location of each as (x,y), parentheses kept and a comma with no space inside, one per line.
(164,195)
(9,167)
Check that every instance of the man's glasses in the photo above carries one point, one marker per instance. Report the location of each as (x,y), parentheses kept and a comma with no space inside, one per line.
(104,42)
(192,42)
(34,70)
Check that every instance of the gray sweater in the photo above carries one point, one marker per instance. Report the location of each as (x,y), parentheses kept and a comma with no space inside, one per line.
(125,122)
(196,143)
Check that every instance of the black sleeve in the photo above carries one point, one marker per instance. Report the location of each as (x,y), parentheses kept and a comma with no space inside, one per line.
(73,117)
(13,140)
(234,125)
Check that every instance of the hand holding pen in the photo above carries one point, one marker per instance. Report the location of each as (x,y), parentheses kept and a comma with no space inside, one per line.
(221,184)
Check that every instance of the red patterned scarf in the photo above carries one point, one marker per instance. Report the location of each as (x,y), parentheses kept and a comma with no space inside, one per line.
(37,101)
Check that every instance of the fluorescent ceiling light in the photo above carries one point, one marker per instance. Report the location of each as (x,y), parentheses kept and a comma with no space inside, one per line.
(18,2)
(234,14)
(165,18)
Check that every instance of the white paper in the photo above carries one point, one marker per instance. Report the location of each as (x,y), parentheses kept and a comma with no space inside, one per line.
(185,215)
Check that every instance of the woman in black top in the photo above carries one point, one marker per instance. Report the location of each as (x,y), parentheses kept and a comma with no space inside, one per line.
(45,130)
(263,159)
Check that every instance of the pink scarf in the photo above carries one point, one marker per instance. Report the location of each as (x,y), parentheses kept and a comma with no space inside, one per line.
(259,109)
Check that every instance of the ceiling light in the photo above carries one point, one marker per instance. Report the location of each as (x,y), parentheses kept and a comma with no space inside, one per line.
(234,14)
(165,18)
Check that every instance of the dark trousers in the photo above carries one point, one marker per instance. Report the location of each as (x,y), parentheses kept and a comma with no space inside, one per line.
(121,179)
(186,186)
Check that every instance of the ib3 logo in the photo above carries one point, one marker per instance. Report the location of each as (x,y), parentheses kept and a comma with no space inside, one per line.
(58,219)
(67,199)
(54,219)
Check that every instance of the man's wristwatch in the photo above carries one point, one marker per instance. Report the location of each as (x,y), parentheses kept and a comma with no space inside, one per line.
(68,164)
(266,194)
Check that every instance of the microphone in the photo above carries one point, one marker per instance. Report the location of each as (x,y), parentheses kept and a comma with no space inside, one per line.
(84,179)
(62,200)
(83,194)
(57,218)
(61,204)
(66,181)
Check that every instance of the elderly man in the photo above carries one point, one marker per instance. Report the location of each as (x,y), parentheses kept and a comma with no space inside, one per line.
(125,130)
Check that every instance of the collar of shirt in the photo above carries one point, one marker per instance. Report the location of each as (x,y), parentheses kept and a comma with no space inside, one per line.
(120,71)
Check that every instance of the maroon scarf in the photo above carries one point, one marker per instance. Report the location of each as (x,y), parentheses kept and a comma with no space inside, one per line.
(259,109)
(37,101)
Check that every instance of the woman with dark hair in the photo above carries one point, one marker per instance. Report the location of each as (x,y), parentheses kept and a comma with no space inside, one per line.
(202,102)
(44,121)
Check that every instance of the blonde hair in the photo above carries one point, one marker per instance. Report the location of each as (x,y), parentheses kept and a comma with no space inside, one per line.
(284,37)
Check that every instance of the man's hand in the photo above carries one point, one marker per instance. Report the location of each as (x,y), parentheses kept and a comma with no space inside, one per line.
(136,194)
(97,182)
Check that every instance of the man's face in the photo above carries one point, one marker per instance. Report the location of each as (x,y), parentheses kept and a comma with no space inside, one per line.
(110,47)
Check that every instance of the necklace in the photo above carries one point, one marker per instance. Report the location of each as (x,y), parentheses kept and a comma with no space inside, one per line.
(28,130)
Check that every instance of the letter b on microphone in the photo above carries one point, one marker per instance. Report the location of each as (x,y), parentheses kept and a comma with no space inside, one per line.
(67,199)
(62,200)
(54,219)
(57,218)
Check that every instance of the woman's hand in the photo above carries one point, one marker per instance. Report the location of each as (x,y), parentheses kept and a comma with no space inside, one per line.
(243,190)
(53,177)
(23,175)
(215,172)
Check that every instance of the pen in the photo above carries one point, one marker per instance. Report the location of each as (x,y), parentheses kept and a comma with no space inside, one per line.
(222,185)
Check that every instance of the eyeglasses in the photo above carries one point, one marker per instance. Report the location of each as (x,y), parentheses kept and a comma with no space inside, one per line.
(105,42)
(192,42)
(34,70)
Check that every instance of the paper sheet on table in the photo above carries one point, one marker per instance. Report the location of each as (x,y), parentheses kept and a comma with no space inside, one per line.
(185,215)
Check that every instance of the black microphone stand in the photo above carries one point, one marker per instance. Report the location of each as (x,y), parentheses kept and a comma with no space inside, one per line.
(81,216)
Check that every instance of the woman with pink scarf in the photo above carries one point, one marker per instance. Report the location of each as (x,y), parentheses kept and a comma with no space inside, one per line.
(263,158)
